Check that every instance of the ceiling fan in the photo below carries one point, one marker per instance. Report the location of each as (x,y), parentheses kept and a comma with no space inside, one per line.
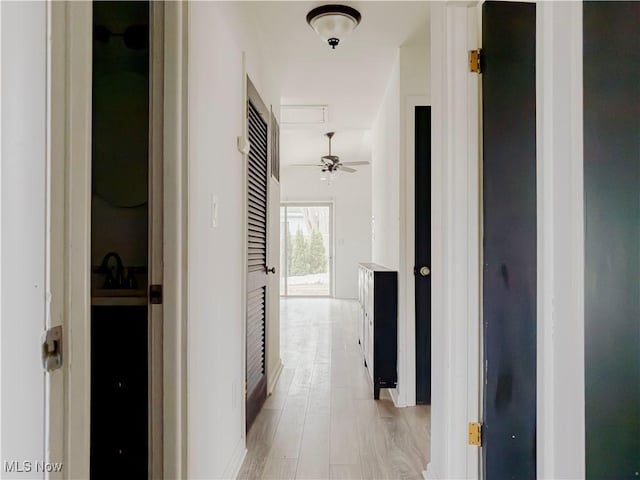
(331,163)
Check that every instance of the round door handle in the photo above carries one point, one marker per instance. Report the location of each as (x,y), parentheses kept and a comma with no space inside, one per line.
(424,271)
(271,270)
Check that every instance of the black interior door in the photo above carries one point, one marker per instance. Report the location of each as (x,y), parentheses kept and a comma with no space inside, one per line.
(612,238)
(423,252)
(509,244)
(256,388)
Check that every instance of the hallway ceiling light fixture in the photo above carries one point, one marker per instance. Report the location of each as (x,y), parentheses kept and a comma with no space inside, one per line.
(333,22)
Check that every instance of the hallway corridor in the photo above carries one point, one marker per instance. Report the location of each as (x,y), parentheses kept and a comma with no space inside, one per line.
(321,421)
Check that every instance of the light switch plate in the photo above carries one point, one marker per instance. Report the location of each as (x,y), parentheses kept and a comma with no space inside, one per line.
(214,211)
(243,145)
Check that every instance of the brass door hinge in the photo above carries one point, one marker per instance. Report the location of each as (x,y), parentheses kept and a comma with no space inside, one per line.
(475,65)
(475,434)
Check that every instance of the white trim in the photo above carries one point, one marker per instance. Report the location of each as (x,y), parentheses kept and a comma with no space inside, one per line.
(57,104)
(237,458)
(395,397)
(407,307)
(243,260)
(273,360)
(560,206)
(455,240)
(474,238)
(70,71)
(428,474)
(175,233)
(273,378)
(2,455)
(78,237)
(155,241)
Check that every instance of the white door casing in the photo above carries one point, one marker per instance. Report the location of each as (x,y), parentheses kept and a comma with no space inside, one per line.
(456,235)
(70,87)
(274,362)
(70,127)
(561,230)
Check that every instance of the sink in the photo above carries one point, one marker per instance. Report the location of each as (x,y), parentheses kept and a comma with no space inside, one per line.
(118,297)
(118,292)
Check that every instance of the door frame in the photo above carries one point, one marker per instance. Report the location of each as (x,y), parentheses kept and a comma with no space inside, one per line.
(406,395)
(456,238)
(561,241)
(69,124)
(252,94)
(155,238)
(316,203)
(455,29)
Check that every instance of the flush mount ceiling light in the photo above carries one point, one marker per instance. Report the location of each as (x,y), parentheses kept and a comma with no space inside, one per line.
(333,22)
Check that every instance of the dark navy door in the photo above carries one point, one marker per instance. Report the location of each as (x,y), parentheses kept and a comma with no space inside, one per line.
(509,249)
(612,238)
(423,252)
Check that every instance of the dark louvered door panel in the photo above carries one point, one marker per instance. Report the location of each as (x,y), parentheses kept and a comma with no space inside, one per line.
(256,262)
(257,192)
(255,338)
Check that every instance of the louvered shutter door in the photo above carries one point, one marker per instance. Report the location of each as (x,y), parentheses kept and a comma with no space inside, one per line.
(256,262)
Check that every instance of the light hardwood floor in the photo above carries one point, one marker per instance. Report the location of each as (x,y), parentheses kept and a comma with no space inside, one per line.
(322,421)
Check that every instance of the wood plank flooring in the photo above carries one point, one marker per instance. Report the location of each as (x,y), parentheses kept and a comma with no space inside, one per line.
(322,421)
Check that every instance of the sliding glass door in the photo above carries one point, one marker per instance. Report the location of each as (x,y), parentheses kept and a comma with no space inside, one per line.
(306,249)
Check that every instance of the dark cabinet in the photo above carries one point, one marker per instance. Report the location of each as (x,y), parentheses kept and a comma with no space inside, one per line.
(119,392)
(378,329)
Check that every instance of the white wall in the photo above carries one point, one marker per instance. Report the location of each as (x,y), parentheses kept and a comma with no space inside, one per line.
(218,35)
(385,163)
(351,196)
(408,79)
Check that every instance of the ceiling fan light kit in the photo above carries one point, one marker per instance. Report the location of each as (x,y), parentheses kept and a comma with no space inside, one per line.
(333,22)
(331,163)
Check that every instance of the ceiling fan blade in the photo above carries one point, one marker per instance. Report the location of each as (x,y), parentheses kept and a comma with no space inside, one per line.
(304,165)
(346,169)
(354,163)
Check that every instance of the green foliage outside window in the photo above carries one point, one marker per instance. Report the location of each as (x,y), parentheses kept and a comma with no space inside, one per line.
(306,256)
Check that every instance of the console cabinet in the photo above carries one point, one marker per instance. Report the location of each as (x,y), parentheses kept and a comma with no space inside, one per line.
(378,326)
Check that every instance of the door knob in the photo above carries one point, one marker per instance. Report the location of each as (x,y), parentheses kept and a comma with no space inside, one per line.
(424,271)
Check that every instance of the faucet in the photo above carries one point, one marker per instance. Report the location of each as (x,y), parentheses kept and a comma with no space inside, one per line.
(110,280)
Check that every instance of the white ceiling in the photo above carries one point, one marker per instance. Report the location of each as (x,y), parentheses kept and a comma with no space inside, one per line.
(351,79)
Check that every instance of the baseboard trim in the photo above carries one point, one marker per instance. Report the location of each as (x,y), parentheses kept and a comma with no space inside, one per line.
(276,376)
(395,396)
(235,464)
(429,474)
